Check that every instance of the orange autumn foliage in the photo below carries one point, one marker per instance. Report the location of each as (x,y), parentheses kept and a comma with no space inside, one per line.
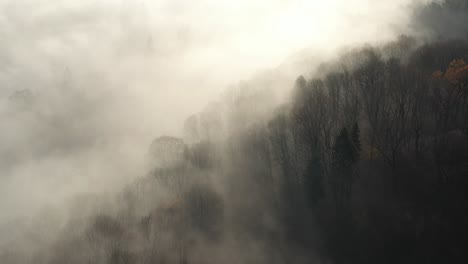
(457,73)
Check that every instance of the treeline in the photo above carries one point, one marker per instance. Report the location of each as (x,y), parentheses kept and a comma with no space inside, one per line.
(379,152)
(367,163)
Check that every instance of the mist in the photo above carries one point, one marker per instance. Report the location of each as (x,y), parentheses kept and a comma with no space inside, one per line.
(101,79)
(90,89)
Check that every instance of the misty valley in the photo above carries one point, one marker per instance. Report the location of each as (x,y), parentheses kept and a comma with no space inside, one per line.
(357,157)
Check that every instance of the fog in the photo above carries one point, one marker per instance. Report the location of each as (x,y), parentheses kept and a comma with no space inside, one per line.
(86,85)
(249,131)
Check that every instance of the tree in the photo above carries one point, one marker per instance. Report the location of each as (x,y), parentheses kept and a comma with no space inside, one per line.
(356,142)
(457,73)
(313,182)
(191,130)
(205,208)
(279,137)
(450,97)
(369,80)
(343,159)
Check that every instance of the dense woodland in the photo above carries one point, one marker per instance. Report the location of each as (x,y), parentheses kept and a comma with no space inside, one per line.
(366,162)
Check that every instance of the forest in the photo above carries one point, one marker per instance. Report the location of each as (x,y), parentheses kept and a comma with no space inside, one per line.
(365,161)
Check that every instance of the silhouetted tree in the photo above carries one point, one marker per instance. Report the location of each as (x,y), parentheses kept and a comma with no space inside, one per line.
(343,159)
(356,142)
(313,182)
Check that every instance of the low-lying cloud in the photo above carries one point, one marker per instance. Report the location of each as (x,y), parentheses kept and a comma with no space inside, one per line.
(86,85)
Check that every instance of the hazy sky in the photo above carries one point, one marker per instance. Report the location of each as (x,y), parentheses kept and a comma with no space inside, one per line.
(103,78)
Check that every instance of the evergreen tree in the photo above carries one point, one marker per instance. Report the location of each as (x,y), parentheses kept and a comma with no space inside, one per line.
(314,182)
(343,152)
(343,159)
(356,142)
